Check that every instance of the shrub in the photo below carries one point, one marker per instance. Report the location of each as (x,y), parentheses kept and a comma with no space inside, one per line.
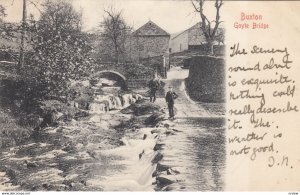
(11,133)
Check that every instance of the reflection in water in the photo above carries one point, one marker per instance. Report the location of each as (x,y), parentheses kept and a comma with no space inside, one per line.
(210,150)
(198,151)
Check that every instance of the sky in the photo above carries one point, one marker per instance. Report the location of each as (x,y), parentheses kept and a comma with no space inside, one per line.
(173,16)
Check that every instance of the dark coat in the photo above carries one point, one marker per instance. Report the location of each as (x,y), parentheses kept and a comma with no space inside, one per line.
(170,97)
(154,85)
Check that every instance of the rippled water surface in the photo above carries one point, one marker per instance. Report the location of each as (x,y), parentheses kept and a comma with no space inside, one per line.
(198,152)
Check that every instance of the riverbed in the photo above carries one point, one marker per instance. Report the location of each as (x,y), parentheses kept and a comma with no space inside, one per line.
(111,150)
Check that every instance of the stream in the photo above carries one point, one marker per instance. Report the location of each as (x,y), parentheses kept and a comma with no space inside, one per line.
(185,154)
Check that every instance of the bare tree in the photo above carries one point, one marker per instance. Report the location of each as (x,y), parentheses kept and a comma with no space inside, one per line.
(115,32)
(208,29)
(8,33)
(2,13)
(23,32)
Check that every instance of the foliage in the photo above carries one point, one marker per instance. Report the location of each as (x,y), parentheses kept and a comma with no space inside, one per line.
(200,85)
(15,126)
(138,71)
(8,37)
(2,13)
(220,36)
(58,54)
(5,29)
(60,51)
(11,132)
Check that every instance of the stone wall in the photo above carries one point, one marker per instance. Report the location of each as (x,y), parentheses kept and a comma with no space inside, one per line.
(157,64)
(148,46)
(206,80)
(219,50)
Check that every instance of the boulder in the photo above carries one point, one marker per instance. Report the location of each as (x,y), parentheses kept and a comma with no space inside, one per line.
(167,124)
(172,171)
(31,164)
(154,119)
(161,167)
(141,107)
(158,147)
(173,187)
(127,111)
(155,131)
(137,96)
(165,180)
(158,157)
(169,132)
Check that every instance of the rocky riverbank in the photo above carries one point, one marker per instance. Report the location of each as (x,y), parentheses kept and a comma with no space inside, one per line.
(128,148)
(65,157)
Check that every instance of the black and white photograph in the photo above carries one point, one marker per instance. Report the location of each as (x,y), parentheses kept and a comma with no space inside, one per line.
(123,95)
(111,96)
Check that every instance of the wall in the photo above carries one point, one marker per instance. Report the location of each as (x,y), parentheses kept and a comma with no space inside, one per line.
(157,64)
(182,40)
(219,50)
(206,80)
(196,36)
(148,46)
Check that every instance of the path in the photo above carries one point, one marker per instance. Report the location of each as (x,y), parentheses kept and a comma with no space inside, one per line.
(197,149)
(185,106)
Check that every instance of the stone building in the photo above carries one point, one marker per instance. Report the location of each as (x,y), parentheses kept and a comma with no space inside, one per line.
(193,38)
(149,45)
(188,38)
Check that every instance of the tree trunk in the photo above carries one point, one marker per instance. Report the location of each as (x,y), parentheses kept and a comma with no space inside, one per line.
(22,45)
(117,53)
(211,47)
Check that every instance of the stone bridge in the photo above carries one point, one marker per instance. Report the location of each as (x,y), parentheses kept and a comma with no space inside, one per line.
(111,74)
(119,73)
(117,68)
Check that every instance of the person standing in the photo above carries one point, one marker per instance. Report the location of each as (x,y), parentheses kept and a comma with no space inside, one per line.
(154,86)
(170,97)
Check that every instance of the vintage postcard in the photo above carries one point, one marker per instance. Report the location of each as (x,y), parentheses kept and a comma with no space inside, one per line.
(149,95)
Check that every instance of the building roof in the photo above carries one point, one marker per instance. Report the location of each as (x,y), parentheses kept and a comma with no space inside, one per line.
(151,29)
(194,26)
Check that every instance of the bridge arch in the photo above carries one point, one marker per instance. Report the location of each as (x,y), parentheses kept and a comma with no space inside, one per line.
(120,78)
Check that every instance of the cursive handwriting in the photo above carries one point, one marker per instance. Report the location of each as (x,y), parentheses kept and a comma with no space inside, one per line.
(261,90)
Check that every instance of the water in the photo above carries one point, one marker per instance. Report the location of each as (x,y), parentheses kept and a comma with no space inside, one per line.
(193,149)
(107,102)
(137,166)
(197,151)
(134,172)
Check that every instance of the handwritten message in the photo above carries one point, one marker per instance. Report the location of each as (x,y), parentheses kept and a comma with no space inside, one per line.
(260,91)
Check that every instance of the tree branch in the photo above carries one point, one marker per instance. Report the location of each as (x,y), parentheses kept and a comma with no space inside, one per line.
(218,5)
(196,9)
